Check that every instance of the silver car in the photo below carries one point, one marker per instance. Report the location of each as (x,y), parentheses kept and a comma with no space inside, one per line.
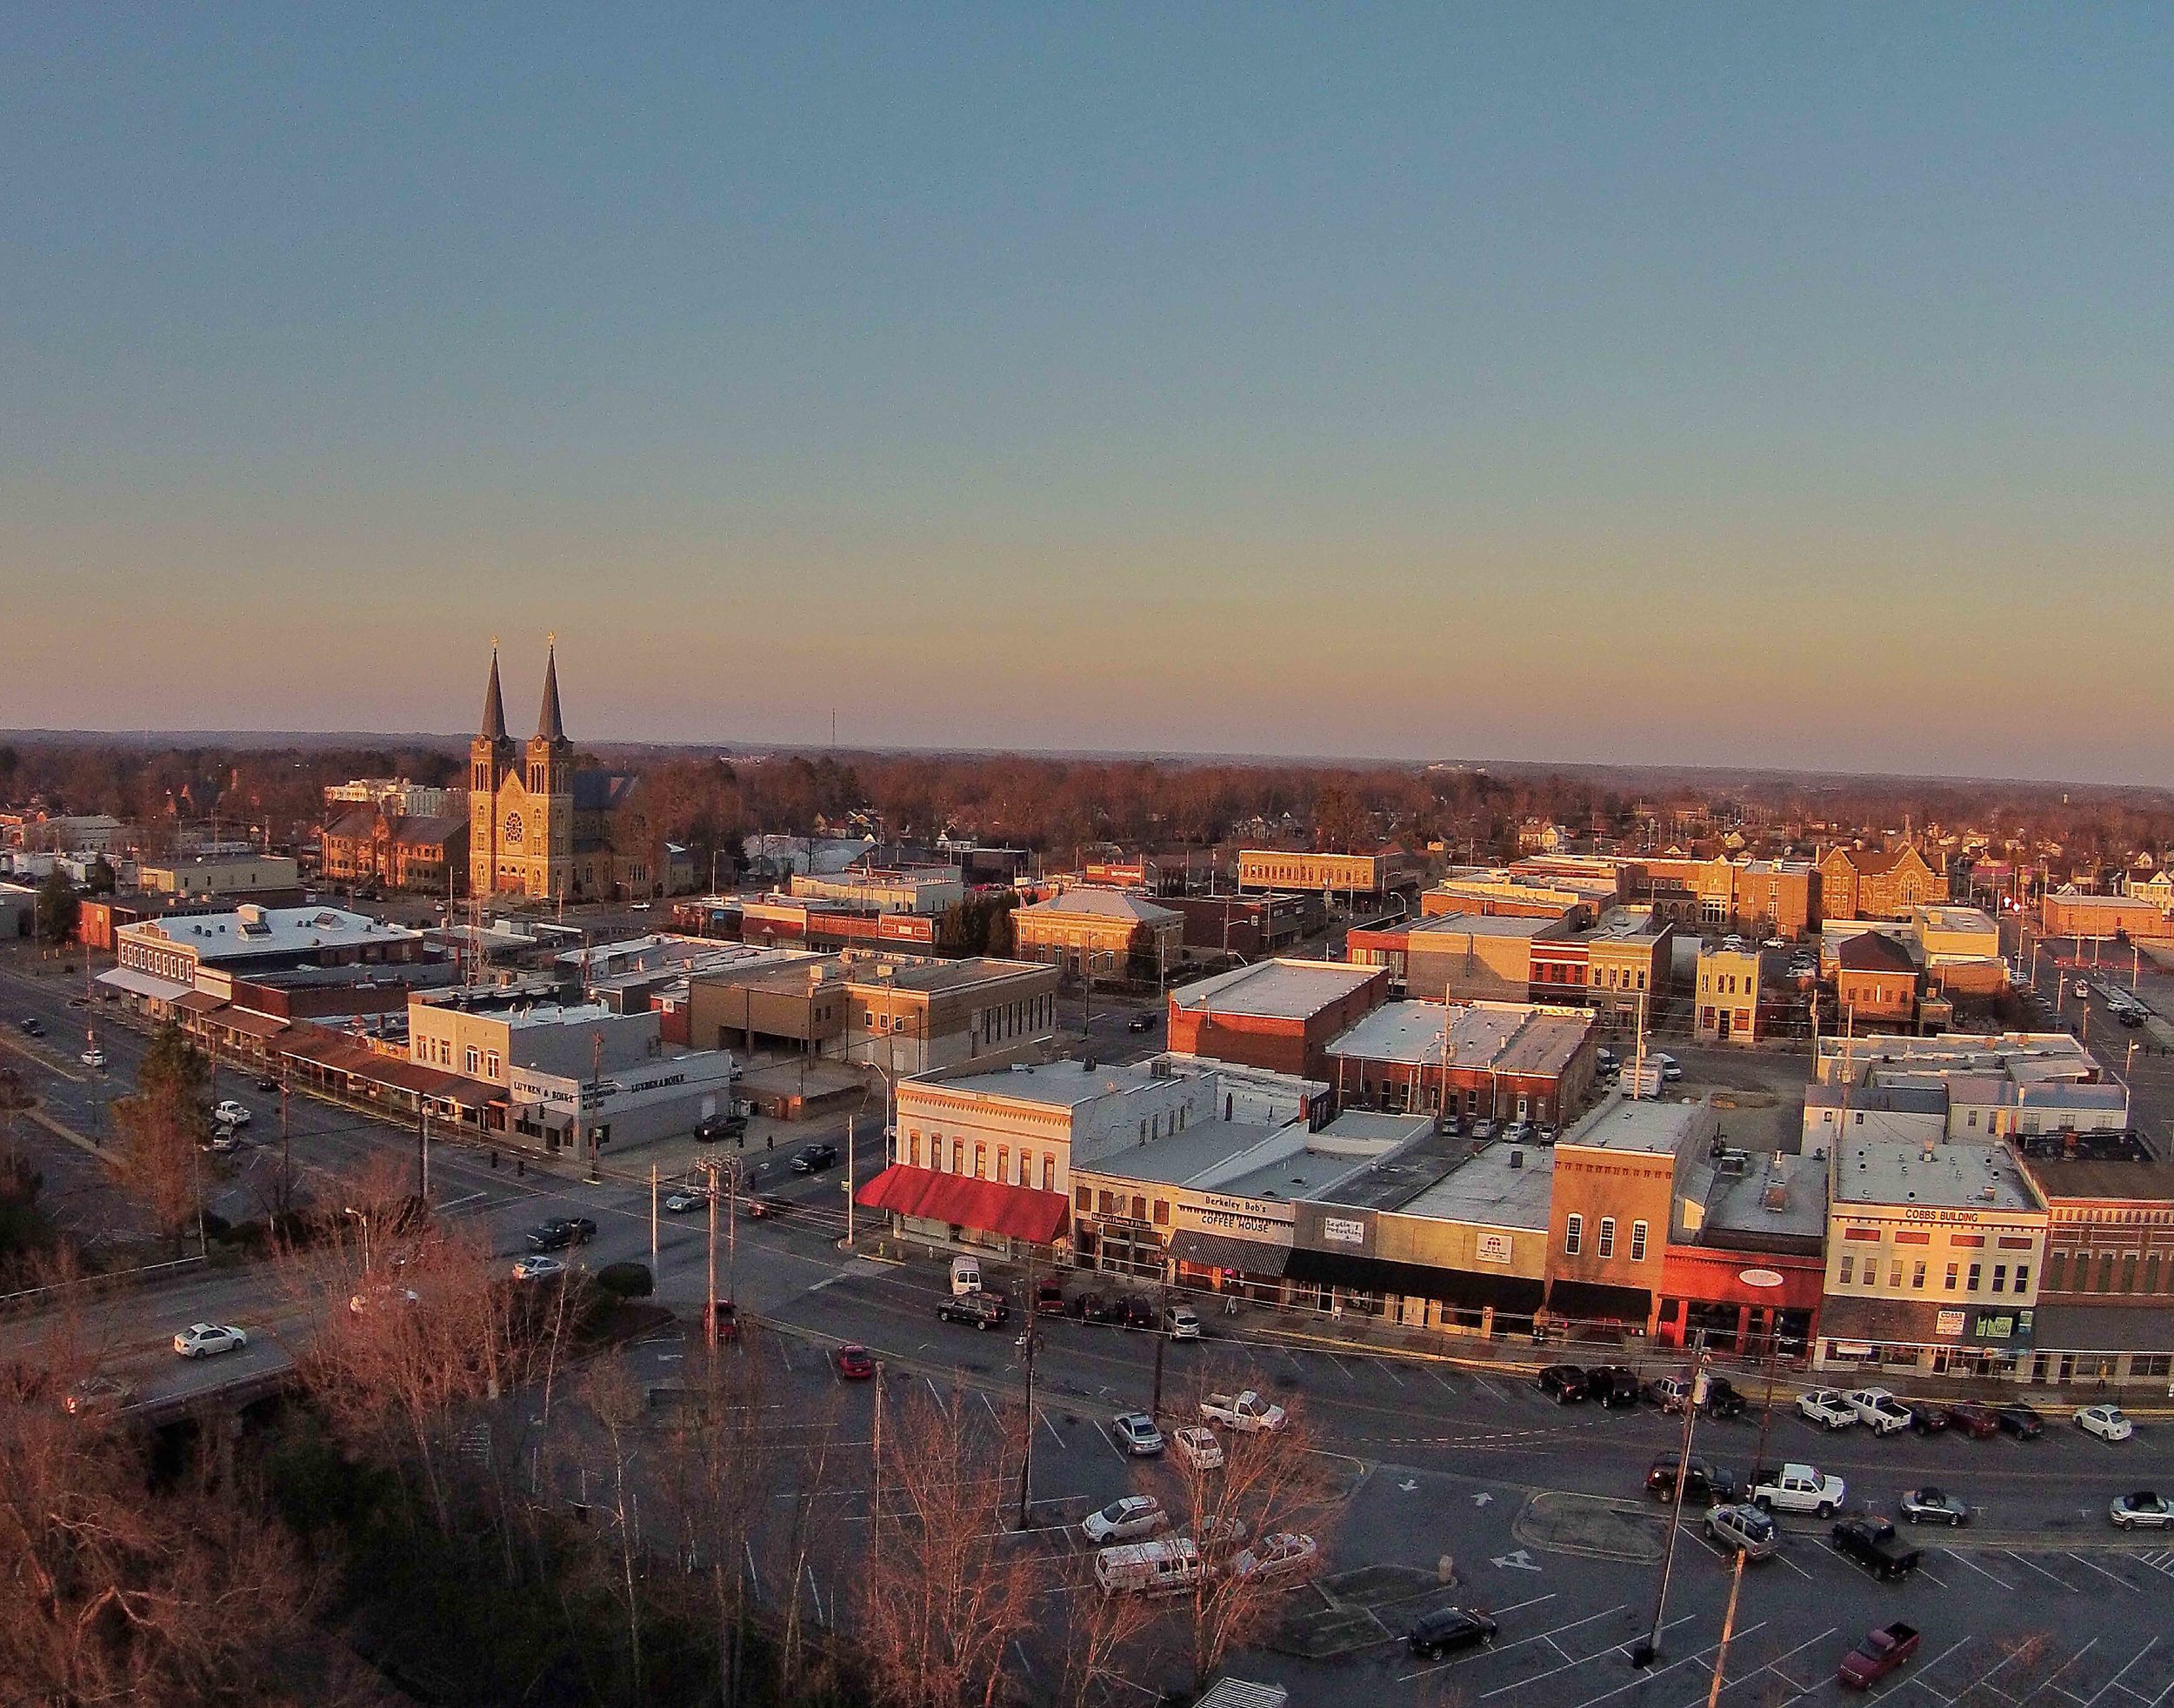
(1136,1435)
(1743,1529)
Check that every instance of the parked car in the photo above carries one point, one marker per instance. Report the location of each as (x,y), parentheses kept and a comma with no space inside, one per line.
(1170,1567)
(1873,1544)
(1879,1654)
(814,1158)
(561,1231)
(853,1363)
(1049,1298)
(1284,1554)
(1616,1386)
(965,1275)
(234,1114)
(1517,1132)
(1705,1484)
(1745,1529)
(1198,1447)
(31,1026)
(1483,1130)
(1564,1384)
(1722,1401)
(1140,1023)
(95,1394)
(1139,1311)
(1125,1517)
(1136,1435)
(268,1083)
(2142,1511)
(1671,1393)
(2020,1420)
(207,1340)
(1447,1630)
(1933,1505)
(2107,1423)
(1827,1408)
(1978,1422)
(761,1209)
(976,1310)
(1246,1412)
(375,1297)
(93,1057)
(720,1126)
(1928,1416)
(1880,1409)
(1181,1322)
(538,1269)
(1799,1488)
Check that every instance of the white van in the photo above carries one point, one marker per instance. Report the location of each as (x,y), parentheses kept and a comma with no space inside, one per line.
(965,1275)
(1164,1567)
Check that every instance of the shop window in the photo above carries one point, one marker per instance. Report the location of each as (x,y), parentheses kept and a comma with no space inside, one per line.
(981,1162)
(1082,1198)
(1162,1212)
(1950,1282)
(2000,1277)
(1976,1270)
(1048,1174)
(1918,1276)
(2023,1278)
(1003,1161)
(958,1156)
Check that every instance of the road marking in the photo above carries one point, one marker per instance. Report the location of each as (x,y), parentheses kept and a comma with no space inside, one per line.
(1051,1428)
(2041,1571)
(1341,1366)
(1964,1559)
(1546,1637)
(1697,1654)
(1519,1606)
(1491,1390)
(2089,1566)
(1942,1582)
(1389,1370)
(2116,1679)
(1519,1684)
(1806,1576)
(1516,1560)
(988,1406)
(2070,1662)
(1448,1386)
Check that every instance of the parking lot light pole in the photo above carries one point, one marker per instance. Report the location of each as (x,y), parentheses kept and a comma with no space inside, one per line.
(1647,1650)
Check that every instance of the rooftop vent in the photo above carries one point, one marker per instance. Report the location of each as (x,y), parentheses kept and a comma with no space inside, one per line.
(1516,1159)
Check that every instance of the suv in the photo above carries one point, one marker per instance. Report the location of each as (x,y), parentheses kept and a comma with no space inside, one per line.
(560,1232)
(1704,1482)
(1874,1546)
(1448,1628)
(980,1311)
(1722,1401)
(720,1126)
(1614,1385)
(814,1158)
(1750,1532)
(1564,1384)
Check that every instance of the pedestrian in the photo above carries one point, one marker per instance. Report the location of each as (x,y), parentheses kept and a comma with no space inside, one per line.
(520,1166)
(494,1157)
(770,1141)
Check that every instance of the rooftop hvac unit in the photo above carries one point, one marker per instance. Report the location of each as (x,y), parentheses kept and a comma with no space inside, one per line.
(1516,1159)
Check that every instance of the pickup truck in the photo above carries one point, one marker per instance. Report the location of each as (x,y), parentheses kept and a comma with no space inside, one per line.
(1826,1408)
(1874,1546)
(1879,1654)
(1879,1409)
(1244,1412)
(1798,1488)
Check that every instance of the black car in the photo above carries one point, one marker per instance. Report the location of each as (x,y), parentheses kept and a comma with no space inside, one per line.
(1874,1546)
(1138,1312)
(720,1126)
(267,1083)
(560,1232)
(1140,1023)
(1447,1630)
(2020,1421)
(814,1158)
(979,1311)
(31,1026)
(1616,1386)
(1564,1384)
(1722,1401)
(1093,1307)
(1705,1484)
(1929,1418)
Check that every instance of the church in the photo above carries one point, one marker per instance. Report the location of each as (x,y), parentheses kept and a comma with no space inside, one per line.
(538,828)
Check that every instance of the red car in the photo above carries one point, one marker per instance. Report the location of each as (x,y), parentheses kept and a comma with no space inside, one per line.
(1978,1422)
(854,1365)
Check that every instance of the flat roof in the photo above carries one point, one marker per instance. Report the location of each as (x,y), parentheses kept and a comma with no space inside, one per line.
(1499,1186)
(1949,1175)
(2132,1183)
(1276,990)
(1642,1125)
(1061,1085)
(1888,1099)
(251,931)
(1484,924)
(1511,1037)
(1180,1158)
(1737,1203)
(1392,1179)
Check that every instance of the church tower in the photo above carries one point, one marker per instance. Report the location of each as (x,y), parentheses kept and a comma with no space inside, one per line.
(489,759)
(549,786)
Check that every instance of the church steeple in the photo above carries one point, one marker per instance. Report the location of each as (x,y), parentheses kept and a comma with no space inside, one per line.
(494,729)
(550,726)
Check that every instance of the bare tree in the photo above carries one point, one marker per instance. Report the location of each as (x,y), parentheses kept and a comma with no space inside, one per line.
(161,1126)
(949,1594)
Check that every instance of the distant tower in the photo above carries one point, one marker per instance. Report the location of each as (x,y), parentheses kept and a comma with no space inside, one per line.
(549,786)
(489,759)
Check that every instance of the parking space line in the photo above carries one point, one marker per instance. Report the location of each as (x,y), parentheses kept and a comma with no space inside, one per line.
(2067,1664)
(1961,1558)
(1341,1366)
(1778,1555)
(2161,1697)
(1389,1370)
(2118,1677)
(1447,1386)
(1699,1656)
(1775,1664)
(1051,1428)
(1491,1390)
(1505,1690)
(1122,1457)
(2041,1571)
(2090,1566)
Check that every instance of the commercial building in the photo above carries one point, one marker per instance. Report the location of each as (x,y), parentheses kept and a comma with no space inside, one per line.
(1250,926)
(487,1037)
(1498,891)
(1730,989)
(219,875)
(816,921)
(1754,898)
(1935,1255)
(1458,957)
(1876,982)
(899,1013)
(1879,883)
(2107,1300)
(397,797)
(2070,913)
(922,889)
(1746,1268)
(1614,1198)
(1277,1015)
(1355,876)
(1617,966)
(1498,1061)
(1112,932)
(200,951)
(369,845)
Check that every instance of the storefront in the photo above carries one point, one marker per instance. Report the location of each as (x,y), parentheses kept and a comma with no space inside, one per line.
(1744,1302)
(960,1210)
(1927,1339)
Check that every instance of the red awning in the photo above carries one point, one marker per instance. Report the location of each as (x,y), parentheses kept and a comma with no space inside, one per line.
(986,1206)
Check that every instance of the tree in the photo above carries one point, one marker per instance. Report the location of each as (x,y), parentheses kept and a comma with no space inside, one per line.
(161,1126)
(57,908)
(103,879)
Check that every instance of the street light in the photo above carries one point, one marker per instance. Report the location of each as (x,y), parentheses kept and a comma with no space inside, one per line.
(1764,1280)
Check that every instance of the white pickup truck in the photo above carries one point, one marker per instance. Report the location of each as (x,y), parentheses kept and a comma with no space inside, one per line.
(1799,1488)
(1881,1410)
(1826,1408)
(1245,1412)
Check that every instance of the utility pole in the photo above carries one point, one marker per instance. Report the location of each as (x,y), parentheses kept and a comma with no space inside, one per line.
(652,1219)
(1728,1630)
(1647,1648)
(710,1299)
(422,1146)
(1026,1421)
(876,1473)
(849,1183)
(1162,1341)
(286,1153)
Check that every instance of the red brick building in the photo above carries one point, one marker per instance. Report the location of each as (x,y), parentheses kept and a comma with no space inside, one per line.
(1278,1014)
(1875,979)
(1879,883)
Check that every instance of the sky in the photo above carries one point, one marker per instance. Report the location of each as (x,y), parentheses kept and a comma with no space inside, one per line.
(1617,384)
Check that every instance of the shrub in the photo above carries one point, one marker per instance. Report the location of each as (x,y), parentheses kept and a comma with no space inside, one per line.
(627,1280)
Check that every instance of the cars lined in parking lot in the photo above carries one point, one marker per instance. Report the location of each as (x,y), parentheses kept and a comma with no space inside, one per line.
(1448,1630)
(1136,1435)
(1827,1408)
(1564,1384)
(2107,1423)
(2020,1420)
(1125,1518)
(2143,1510)
(1933,1505)
(1746,1530)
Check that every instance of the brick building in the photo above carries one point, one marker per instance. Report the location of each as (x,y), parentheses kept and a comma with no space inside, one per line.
(1113,932)
(369,845)
(1497,1061)
(1879,883)
(1875,981)
(1277,1015)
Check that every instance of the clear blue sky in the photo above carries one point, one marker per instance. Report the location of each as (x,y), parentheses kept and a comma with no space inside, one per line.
(1785,386)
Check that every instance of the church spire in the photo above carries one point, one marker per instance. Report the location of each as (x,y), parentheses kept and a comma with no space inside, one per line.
(494,704)
(550,726)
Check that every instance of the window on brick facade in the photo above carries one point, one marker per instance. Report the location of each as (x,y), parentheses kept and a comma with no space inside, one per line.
(1637,1241)
(1607,1246)
(1573,1234)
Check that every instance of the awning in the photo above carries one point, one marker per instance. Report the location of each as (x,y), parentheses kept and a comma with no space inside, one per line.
(199,1002)
(250,1023)
(1469,1290)
(1216,1251)
(1594,1302)
(961,1201)
(2103,1327)
(142,984)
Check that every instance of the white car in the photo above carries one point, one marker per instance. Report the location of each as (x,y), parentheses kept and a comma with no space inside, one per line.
(536,1268)
(1124,1518)
(680,1203)
(2107,1423)
(234,1114)
(207,1340)
(1284,1554)
(1826,1408)
(93,1057)
(2142,1510)
(2082,988)
(1880,1409)
(1198,1447)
